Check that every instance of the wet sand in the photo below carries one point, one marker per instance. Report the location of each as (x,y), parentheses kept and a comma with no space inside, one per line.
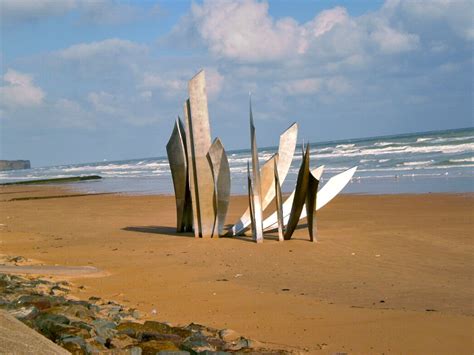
(390,274)
(48,270)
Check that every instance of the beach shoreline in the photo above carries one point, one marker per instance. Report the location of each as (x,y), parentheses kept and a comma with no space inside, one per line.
(391,273)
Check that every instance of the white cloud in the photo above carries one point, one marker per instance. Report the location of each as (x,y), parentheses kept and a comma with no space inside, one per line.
(20,91)
(457,14)
(69,113)
(289,66)
(314,86)
(104,102)
(170,85)
(326,20)
(338,85)
(157,81)
(301,86)
(391,41)
(136,109)
(108,47)
(214,82)
(244,30)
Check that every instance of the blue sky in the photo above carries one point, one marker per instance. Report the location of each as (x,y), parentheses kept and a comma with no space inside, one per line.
(84,81)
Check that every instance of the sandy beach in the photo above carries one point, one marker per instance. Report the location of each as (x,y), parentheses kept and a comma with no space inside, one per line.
(390,273)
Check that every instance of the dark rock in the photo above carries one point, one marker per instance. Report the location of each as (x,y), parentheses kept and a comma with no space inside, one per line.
(93,346)
(197,343)
(152,326)
(39,301)
(46,318)
(146,336)
(104,328)
(82,325)
(53,330)
(25,313)
(56,327)
(75,345)
(58,291)
(153,346)
(198,328)
(153,330)
(171,352)
(121,341)
(130,328)
(78,311)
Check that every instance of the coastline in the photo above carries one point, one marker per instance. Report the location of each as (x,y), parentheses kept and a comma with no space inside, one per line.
(391,273)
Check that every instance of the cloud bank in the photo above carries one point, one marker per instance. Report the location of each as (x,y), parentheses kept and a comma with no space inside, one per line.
(403,67)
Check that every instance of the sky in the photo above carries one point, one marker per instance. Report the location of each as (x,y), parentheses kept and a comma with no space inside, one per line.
(88,80)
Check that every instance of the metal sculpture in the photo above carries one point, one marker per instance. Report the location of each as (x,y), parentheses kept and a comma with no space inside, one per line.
(257,190)
(251,201)
(201,178)
(191,168)
(202,188)
(286,150)
(221,174)
(331,189)
(176,150)
(278,202)
(311,195)
(300,195)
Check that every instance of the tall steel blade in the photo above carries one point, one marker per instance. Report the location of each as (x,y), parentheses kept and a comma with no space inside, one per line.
(175,149)
(300,195)
(257,190)
(250,195)
(311,194)
(221,173)
(278,203)
(200,141)
(191,169)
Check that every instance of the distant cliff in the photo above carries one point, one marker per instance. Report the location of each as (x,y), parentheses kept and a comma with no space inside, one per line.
(14,164)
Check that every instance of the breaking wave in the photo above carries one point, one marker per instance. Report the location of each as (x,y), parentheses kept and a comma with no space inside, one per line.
(448,153)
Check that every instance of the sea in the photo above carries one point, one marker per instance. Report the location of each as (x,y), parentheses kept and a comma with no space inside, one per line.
(428,162)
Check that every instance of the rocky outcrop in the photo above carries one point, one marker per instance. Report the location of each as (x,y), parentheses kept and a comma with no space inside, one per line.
(98,326)
(14,164)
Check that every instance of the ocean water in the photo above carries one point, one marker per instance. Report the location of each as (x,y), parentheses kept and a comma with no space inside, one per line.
(441,161)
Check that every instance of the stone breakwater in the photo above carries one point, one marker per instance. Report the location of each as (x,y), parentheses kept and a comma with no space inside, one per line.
(98,326)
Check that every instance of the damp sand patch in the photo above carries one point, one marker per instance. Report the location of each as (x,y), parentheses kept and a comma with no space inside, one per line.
(20,265)
(52,270)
